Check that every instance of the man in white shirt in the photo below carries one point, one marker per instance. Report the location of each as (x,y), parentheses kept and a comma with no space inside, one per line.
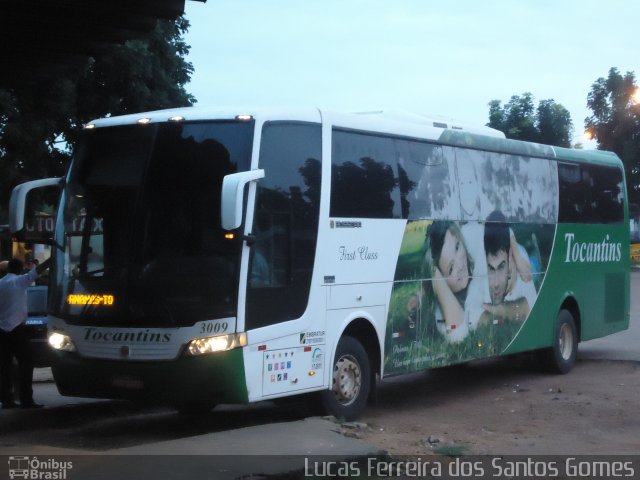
(14,339)
(506,297)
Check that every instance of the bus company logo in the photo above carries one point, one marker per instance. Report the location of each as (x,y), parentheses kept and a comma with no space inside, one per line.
(592,252)
(36,469)
(345,224)
(92,334)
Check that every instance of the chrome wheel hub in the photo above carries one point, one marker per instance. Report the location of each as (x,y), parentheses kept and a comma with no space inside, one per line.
(347,379)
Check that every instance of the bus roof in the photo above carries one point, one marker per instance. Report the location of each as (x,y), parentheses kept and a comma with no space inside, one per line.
(400,123)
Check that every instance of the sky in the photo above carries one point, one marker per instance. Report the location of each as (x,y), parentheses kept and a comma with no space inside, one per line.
(446,59)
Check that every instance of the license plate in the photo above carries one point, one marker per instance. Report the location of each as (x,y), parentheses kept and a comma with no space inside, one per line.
(130,383)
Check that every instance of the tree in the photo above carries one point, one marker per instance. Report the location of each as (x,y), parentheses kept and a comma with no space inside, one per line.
(615,123)
(40,121)
(550,123)
(554,124)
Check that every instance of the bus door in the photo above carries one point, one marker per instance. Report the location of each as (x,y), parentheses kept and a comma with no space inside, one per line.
(282,247)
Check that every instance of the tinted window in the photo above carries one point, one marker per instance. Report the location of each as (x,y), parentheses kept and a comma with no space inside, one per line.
(364,181)
(574,204)
(427,179)
(140,220)
(590,194)
(524,189)
(607,197)
(285,223)
(533,190)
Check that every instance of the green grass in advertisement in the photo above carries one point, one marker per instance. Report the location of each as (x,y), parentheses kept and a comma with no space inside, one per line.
(478,305)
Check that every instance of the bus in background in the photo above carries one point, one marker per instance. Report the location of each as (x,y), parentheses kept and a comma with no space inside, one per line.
(207,256)
(634,226)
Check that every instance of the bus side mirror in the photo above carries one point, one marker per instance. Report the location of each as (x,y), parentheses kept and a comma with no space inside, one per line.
(17,203)
(231,204)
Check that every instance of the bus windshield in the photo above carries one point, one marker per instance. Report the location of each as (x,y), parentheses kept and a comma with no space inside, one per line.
(138,232)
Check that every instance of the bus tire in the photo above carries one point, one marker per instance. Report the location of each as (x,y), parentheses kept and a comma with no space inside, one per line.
(561,357)
(350,381)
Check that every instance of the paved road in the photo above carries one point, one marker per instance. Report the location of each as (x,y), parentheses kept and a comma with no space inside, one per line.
(250,452)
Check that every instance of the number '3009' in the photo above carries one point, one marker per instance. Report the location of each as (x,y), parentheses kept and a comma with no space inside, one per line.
(214,327)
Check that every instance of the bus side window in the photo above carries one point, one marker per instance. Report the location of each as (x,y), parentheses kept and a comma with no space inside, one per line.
(574,204)
(285,223)
(607,197)
(590,194)
(364,181)
(427,180)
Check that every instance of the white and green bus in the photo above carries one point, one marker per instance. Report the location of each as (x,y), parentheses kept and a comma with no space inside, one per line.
(207,256)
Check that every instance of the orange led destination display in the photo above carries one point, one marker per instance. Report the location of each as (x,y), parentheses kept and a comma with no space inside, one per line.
(91,299)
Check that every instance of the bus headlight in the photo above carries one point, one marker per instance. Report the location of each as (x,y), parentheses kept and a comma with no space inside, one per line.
(58,341)
(202,346)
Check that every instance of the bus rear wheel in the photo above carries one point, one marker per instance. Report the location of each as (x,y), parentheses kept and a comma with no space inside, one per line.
(351,381)
(561,357)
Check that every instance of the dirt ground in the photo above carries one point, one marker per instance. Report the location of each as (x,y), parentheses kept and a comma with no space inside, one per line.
(507,407)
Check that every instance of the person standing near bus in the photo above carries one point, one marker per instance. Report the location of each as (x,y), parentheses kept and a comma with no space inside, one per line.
(14,340)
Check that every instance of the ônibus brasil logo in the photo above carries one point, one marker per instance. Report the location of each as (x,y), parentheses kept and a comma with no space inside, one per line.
(36,469)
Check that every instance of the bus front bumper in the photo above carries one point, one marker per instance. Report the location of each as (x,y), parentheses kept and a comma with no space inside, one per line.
(215,378)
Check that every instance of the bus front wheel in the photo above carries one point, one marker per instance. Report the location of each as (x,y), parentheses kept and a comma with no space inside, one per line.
(350,381)
(561,357)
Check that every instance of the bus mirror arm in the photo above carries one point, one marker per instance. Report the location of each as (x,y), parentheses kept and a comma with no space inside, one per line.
(17,203)
(231,204)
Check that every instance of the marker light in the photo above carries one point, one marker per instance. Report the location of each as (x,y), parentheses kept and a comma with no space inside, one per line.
(58,341)
(229,236)
(144,121)
(244,118)
(177,118)
(89,126)
(202,346)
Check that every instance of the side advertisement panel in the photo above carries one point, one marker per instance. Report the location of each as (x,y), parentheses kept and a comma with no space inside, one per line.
(463,290)
(467,280)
